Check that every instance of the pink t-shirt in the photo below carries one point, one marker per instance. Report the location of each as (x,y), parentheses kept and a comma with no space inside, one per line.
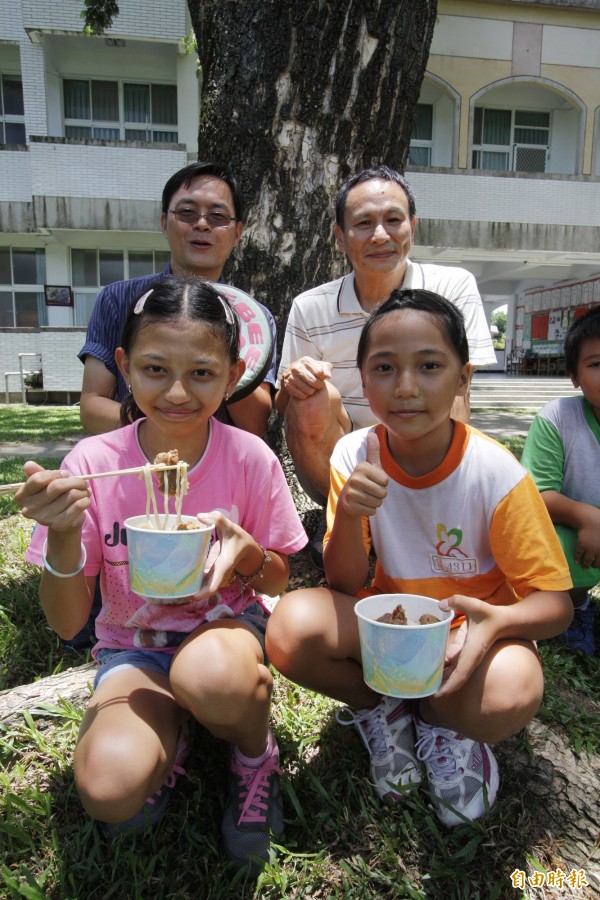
(237,474)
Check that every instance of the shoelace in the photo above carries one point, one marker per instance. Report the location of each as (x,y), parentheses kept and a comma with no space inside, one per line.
(369,725)
(169,782)
(254,790)
(436,748)
(176,769)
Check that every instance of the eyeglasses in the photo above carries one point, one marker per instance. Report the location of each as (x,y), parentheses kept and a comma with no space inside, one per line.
(191,216)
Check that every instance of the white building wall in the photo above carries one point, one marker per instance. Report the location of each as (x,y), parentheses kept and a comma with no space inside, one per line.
(188,102)
(54,101)
(15,176)
(34,88)
(443,132)
(564,142)
(570,46)
(58,271)
(488,38)
(158,19)
(485,198)
(11,22)
(83,170)
(62,370)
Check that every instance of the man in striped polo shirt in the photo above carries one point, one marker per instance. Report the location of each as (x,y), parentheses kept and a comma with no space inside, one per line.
(319,388)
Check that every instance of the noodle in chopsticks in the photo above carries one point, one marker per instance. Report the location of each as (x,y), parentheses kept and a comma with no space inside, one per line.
(180,489)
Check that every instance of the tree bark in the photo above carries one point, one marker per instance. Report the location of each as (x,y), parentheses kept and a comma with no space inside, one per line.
(297,97)
(71,685)
(559,791)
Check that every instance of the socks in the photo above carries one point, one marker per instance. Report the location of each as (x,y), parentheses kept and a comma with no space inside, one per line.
(255,762)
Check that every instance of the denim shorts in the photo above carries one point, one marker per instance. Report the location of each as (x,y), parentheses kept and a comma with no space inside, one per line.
(110,661)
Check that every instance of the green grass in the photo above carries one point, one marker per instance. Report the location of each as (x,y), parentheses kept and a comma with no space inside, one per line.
(11,472)
(515,444)
(340,842)
(39,423)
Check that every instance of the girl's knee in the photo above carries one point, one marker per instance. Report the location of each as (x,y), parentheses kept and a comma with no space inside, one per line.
(514,687)
(220,672)
(113,777)
(297,621)
(500,698)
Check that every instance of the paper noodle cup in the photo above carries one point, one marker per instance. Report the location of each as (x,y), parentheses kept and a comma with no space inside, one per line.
(166,565)
(402,660)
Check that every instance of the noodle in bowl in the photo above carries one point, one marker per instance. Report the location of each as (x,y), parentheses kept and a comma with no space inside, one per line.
(166,564)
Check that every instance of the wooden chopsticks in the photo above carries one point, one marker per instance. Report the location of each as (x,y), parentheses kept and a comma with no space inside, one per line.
(160,467)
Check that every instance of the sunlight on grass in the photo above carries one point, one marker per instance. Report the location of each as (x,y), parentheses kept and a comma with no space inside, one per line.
(39,423)
(11,472)
(340,842)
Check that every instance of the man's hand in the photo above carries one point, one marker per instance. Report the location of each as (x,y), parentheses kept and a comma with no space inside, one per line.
(304,377)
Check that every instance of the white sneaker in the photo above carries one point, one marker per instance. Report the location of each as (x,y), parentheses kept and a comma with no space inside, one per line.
(462,774)
(388,733)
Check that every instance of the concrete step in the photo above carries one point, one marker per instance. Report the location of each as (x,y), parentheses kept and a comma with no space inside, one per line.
(513,392)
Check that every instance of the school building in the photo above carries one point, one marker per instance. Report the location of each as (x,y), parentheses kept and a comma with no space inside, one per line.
(504,161)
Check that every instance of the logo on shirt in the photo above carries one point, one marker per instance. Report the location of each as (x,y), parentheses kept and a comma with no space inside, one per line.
(448,558)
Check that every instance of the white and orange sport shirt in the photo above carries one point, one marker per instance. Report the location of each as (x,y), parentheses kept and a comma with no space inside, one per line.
(476,525)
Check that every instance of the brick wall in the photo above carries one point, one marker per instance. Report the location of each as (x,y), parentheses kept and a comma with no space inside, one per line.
(489,198)
(11,23)
(15,175)
(89,169)
(160,19)
(34,87)
(59,347)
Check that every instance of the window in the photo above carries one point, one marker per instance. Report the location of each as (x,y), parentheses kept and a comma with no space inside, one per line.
(510,140)
(12,112)
(421,140)
(93,269)
(120,111)
(22,277)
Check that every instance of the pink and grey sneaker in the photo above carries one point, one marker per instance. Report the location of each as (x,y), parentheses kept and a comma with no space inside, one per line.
(155,806)
(388,733)
(253,812)
(462,774)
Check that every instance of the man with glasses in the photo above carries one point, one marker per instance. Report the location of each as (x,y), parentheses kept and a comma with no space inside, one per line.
(202,220)
(320,393)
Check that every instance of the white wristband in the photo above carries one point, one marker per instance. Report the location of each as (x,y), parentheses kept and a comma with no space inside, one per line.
(63,574)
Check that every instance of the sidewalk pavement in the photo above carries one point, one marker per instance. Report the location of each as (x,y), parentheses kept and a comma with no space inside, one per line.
(33,450)
(502,423)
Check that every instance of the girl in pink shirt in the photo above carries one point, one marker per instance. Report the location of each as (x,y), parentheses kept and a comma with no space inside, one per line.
(164,668)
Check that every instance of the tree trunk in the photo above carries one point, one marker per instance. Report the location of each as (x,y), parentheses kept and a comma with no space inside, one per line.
(297,97)
(559,791)
(71,685)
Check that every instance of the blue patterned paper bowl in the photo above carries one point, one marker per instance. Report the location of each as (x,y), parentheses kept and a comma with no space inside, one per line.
(402,660)
(166,566)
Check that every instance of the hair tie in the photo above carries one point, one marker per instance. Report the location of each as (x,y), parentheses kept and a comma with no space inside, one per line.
(139,306)
(229,314)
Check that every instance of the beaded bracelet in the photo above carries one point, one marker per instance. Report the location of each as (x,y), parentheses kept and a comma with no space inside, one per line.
(246,579)
(63,574)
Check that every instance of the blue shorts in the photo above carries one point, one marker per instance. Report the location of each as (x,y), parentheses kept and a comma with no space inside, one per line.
(110,661)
